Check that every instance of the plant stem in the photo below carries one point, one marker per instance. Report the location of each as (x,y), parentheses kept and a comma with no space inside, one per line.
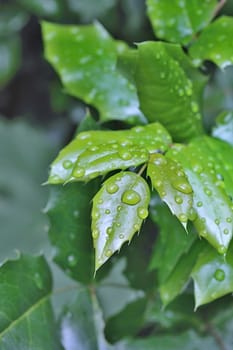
(219,7)
(142,169)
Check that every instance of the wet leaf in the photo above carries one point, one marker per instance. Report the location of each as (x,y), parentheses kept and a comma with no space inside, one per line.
(166,89)
(10,53)
(26,319)
(12,19)
(206,161)
(224,127)
(181,21)
(97,152)
(212,275)
(85,58)
(69,212)
(119,209)
(215,43)
(44,8)
(170,181)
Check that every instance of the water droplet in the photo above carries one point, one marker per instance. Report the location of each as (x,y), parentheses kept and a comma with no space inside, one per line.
(95,215)
(217,221)
(121,236)
(203,233)
(94,148)
(107,211)
(119,208)
(54,179)
(76,213)
(112,188)
(219,275)
(136,227)
(67,164)
(222,249)
(162,75)
(199,204)
(72,236)
(197,168)
(131,197)
(109,230)
(192,215)
(95,234)
(72,260)
(207,191)
(194,107)
(38,280)
(142,213)
(100,201)
(79,172)
(178,199)
(182,186)
(180,173)
(108,253)
(181,92)
(229,219)
(225,231)
(183,217)
(125,155)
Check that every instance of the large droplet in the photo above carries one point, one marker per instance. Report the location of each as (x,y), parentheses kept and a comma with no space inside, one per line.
(79,172)
(109,230)
(67,164)
(219,275)
(108,253)
(125,155)
(178,199)
(131,197)
(183,217)
(112,188)
(182,186)
(222,249)
(142,213)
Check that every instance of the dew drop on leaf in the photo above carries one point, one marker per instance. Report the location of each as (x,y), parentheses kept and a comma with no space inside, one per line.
(121,236)
(142,213)
(125,155)
(183,217)
(108,253)
(178,199)
(109,230)
(219,275)
(192,214)
(217,222)
(107,211)
(226,231)
(199,204)
(112,188)
(182,186)
(95,234)
(131,197)
(222,249)
(67,164)
(207,191)
(38,280)
(79,172)
(229,219)
(72,260)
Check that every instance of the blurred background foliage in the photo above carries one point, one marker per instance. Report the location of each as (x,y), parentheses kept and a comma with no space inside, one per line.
(37,118)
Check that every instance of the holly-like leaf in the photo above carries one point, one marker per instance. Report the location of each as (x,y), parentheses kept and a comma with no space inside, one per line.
(85,58)
(69,211)
(93,153)
(224,127)
(212,275)
(206,161)
(181,21)
(26,318)
(119,209)
(166,89)
(169,179)
(215,43)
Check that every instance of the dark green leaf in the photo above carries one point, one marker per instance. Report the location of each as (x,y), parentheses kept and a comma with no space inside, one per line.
(10,53)
(119,209)
(181,21)
(102,151)
(206,162)
(88,10)
(169,179)
(26,318)
(213,275)
(44,8)
(215,43)
(69,211)
(12,19)
(85,58)
(166,88)
(224,128)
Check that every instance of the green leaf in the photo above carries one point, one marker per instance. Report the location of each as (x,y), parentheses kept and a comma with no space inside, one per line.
(43,8)
(26,319)
(171,243)
(119,209)
(166,89)
(224,127)
(181,21)
(89,73)
(169,179)
(212,275)
(94,153)
(215,43)
(206,161)
(12,19)
(88,10)
(10,53)
(69,212)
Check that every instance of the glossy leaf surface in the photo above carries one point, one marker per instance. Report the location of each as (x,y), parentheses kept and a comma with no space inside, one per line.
(215,43)
(119,209)
(169,179)
(224,128)
(166,92)
(26,319)
(69,212)
(94,150)
(213,275)
(85,58)
(181,21)
(207,163)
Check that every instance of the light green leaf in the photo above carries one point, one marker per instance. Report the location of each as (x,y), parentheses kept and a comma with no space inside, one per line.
(181,21)
(212,275)
(119,209)
(85,58)
(171,243)
(69,212)
(206,161)
(89,147)
(215,43)
(224,127)
(169,89)
(10,53)
(26,318)
(169,179)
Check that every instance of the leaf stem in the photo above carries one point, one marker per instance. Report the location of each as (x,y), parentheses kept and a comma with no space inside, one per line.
(214,333)
(219,7)
(142,169)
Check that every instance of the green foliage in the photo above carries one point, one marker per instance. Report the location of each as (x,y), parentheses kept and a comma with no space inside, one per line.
(140,162)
